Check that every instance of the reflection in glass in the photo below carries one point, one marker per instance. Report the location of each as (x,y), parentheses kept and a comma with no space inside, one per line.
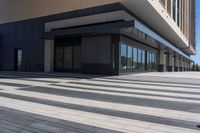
(139,59)
(135,57)
(129,58)
(123,56)
(143,59)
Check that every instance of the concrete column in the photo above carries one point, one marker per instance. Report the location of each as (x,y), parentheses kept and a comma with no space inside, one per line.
(177,64)
(49,56)
(162,62)
(171,62)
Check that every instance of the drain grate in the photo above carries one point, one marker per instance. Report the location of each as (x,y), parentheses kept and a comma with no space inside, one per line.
(198,126)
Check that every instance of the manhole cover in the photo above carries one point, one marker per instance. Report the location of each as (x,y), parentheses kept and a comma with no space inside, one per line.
(198,126)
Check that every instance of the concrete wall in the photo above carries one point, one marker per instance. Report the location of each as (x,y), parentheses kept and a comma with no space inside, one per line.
(15,10)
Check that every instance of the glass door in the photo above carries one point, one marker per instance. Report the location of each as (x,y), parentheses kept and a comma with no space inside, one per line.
(59,58)
(68,58)
(77,57)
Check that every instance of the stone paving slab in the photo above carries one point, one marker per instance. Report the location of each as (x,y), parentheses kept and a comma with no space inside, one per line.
(76,103)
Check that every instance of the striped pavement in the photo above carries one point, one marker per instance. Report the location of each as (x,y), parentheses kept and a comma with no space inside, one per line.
(75,103)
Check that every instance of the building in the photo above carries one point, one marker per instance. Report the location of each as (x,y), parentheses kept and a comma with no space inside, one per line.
(97,36)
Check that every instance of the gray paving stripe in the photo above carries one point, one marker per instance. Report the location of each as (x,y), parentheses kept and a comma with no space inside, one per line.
(48,124)
(181,106)
(123,92)
(133,88)
(42,81)
(121,114)
(145,83)
(52,75)
(156,79)
(14,84)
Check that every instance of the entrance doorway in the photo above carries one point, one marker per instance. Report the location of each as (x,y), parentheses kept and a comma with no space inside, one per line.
(18,60)
(68,58)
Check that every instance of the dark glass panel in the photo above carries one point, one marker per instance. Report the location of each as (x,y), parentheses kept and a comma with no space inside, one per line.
(68,58)
(77,57)
(123,56)
(129,58)
(59,58)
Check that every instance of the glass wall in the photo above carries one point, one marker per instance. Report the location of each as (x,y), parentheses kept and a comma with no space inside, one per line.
(143,60)
(151,61)
(67,58)
(123,56)
(137,59)
(130,58)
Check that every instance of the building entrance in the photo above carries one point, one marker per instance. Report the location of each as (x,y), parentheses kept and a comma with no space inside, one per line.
(68,57)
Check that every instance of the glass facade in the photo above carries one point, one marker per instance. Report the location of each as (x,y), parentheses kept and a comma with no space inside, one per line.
(67,58)
(123,56)
(130,58)
(137,59)
(151,61)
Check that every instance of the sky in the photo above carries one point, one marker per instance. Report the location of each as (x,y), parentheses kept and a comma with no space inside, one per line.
(196,58)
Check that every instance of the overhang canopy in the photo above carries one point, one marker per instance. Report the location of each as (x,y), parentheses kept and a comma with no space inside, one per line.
(120,21)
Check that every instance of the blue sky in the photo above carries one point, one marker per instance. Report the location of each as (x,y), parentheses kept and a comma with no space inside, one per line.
(197,57)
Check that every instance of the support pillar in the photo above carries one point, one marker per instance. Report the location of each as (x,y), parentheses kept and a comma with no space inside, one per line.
(49,56)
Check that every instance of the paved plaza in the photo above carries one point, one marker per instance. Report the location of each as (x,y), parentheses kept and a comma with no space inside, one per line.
(75,103)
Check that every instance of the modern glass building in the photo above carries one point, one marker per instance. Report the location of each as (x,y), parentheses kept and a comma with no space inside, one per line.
(97,36)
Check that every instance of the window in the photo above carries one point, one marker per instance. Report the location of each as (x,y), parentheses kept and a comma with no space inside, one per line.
(123,56)
(178,13)
(154,62)
(139,59)
(174,9)
(135,57)
(130,58)
(143,59)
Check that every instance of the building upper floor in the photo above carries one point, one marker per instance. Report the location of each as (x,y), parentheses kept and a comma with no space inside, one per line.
(172,19)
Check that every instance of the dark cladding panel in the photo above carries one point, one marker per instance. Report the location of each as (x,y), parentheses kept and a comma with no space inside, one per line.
(96,55)
(96,50)
(25,35)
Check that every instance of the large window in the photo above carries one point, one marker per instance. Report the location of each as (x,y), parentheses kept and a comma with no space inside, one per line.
(139,59)
(135,58)
(143,59)
(151,61)
(174,9)
(123,56)
(130,58)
